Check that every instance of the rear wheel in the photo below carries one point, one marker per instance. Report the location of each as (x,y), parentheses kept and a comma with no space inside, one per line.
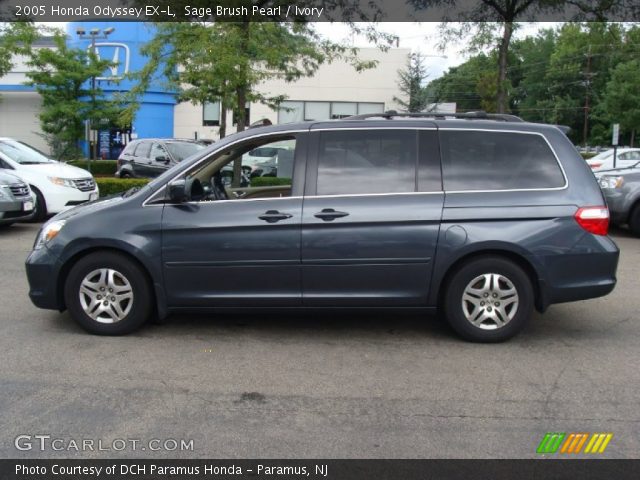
(108,294)
(634,220)
(488,299)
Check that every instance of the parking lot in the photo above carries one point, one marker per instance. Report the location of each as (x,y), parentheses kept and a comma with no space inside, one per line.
(384,385)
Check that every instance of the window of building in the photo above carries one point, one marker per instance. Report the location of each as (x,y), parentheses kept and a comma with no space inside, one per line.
(343,109)
(317,110)
(297,111)
(247,116)
(473,160)
(361,162)
(211,114)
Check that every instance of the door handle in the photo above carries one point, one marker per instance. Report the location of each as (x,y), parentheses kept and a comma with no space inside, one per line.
(273,216)
(329,214)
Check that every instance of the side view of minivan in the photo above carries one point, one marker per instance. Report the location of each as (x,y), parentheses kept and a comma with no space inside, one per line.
(483,218)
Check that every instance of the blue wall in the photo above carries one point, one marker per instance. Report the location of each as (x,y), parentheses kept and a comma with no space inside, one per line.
(155,116)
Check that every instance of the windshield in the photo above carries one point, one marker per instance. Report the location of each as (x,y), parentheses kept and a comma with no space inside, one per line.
(182,150)
(21,153)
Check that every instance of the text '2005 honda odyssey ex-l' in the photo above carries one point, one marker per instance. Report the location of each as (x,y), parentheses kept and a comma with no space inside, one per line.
(483,217)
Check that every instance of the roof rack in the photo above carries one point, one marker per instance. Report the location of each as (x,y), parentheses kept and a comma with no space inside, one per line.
(479,115)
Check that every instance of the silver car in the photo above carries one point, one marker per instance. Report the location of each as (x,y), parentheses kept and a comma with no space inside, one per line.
(16,200)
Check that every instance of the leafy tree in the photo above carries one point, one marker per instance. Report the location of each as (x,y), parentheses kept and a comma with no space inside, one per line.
(622,97)
(227,61)
(491,24)
(412,84)
(470,85)
(15,38)
(62,76)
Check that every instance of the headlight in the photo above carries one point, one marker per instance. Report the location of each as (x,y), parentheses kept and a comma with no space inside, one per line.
(63,182)
(611,182)
(48,233)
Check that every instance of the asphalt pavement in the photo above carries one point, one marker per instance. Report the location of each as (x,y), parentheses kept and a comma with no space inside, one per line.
(384,385)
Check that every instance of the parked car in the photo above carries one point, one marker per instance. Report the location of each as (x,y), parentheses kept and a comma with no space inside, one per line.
(482,218)
(625,157)
(149,157)
(55,185)
(16,200)
(621,187)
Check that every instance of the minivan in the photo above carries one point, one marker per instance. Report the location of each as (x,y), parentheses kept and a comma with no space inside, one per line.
(483,218)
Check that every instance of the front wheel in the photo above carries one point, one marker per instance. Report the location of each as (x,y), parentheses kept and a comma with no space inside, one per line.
(488,299)
(108,294)
(634,220)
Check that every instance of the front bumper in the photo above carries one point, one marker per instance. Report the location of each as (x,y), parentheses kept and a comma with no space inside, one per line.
(64,198)
(13,211)
(43,270)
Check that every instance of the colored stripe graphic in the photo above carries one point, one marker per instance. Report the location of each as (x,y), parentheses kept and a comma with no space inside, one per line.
(572,443)
(551,442)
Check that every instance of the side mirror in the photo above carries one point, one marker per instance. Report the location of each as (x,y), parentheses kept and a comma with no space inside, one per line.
(178,191)
(183,190)
(162,158)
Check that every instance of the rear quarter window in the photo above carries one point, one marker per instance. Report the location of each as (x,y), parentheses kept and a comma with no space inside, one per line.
(484,160)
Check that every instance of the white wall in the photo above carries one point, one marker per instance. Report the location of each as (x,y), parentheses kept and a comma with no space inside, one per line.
(19,118)
(337,81)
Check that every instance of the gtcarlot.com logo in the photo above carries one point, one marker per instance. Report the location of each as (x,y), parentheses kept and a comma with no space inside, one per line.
(554,442)
(44,443)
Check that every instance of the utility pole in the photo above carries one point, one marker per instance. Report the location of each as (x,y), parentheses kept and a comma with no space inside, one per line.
(94,33)
(587,106)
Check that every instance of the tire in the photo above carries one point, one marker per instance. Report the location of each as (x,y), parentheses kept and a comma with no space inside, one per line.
(634,220)
(95,272)
(40,213)
(499,277)
(125,175)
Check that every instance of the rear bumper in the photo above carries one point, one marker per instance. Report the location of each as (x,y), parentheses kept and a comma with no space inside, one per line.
(581,275)
(42,273)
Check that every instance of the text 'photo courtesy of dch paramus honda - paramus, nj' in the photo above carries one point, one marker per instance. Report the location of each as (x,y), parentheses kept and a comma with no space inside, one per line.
(482,217)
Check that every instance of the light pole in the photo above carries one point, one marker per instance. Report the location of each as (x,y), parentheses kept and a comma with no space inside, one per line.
(93,35)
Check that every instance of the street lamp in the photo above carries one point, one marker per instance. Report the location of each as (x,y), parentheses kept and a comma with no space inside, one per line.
(93,35)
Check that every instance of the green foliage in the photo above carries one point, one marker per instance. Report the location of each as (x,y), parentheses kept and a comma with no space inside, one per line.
(622,96)
(471,85)
(15,38)
(269,181)
(98,167)
(109,186)
(550,76)
(412,84)
(62,76)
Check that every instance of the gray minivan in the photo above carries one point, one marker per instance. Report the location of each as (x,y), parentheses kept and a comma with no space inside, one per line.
(480,216)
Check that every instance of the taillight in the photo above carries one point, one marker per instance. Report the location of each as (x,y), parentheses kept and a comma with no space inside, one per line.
(595,166)
(593,219)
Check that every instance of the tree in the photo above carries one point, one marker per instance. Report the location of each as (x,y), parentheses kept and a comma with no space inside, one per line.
(227,61)
(622,97)
(15,38)
(491,23)
(471,85)
(412,84)
(62,76)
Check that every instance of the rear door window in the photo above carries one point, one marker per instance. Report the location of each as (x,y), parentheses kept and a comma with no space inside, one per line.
(367,162)
(485,160)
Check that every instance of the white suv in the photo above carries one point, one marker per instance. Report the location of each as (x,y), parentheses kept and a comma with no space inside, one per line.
(56,186)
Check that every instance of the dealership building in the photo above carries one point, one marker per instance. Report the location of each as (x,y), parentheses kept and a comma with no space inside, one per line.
(336,90)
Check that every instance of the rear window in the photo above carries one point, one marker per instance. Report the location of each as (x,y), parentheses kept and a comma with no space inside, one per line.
(473,160)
